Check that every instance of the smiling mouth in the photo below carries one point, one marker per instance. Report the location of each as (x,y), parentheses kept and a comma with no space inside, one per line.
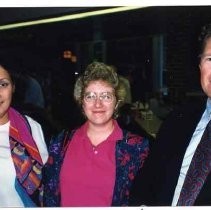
(98,112)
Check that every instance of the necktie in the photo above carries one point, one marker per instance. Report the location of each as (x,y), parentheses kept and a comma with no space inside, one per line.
(198,170)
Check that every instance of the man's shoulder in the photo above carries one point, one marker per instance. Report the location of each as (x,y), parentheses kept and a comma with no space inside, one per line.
(190,108)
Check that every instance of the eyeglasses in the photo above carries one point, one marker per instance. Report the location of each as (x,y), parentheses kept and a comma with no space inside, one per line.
(106,97)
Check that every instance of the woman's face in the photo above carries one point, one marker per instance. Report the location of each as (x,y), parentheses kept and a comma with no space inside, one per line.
(6,90)
(99,102)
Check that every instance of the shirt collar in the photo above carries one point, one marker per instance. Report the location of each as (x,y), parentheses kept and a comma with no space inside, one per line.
(208,108)
(114,136)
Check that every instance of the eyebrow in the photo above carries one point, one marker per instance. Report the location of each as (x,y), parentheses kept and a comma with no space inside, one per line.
(5,79)
(99,92)
(203,55)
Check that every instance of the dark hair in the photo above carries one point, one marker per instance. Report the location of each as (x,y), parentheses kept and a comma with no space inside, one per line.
(9,68)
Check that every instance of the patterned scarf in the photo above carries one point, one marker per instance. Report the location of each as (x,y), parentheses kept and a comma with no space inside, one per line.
(27,160)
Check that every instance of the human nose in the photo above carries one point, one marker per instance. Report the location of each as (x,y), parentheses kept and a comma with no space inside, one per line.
(98,102)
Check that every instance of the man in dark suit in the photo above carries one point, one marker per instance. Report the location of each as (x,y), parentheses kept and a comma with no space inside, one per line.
(165,172)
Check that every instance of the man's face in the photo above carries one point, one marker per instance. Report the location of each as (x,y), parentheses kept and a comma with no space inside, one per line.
(205,69)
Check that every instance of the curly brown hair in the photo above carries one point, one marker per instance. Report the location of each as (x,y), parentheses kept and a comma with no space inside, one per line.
(99,71)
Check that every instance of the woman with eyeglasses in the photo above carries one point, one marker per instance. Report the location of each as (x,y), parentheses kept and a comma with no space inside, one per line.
(23,151)
(95,165)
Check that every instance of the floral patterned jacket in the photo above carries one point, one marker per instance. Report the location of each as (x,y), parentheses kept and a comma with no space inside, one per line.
(131,153)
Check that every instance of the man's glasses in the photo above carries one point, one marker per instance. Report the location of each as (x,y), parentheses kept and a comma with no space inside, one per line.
(91,97)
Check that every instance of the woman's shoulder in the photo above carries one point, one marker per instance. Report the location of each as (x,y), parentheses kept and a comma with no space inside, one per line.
(32,122)
(61,139)
(34,127)
(134,139)
(133,145)
(37,133)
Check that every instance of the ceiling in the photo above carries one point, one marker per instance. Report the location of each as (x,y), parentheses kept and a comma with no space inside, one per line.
(14,15)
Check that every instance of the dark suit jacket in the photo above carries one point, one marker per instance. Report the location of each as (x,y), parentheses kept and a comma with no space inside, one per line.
(156,184)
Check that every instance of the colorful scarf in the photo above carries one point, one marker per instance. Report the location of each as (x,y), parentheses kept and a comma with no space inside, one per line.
(27,160)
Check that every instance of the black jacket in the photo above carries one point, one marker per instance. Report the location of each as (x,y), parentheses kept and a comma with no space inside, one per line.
(156,184)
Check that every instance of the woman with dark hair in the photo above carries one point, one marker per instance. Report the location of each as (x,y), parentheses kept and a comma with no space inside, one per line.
(22,152)
(95,165)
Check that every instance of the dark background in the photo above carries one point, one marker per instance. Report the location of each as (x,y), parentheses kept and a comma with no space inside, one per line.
(156,46)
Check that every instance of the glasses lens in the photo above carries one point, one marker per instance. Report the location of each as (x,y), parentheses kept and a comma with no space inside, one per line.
(104,97)
(90,97)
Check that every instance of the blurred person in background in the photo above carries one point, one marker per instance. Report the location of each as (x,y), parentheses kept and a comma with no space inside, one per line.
(29,100)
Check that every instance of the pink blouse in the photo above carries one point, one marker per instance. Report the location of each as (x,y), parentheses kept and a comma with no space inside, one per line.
(88,172)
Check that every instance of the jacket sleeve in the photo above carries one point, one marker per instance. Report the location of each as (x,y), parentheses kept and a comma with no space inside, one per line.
(51,172)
